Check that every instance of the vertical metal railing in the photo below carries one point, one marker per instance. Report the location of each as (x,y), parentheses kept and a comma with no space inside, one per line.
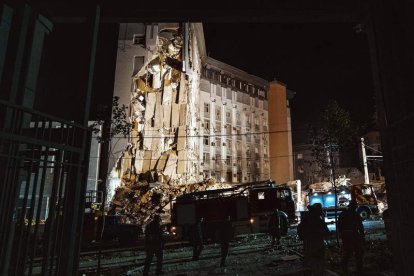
(41,158)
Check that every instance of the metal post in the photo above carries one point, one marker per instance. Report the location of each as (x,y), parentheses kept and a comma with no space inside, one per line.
(364,160)
(331,163)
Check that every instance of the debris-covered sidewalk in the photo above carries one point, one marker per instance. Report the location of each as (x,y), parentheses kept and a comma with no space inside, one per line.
(253,255)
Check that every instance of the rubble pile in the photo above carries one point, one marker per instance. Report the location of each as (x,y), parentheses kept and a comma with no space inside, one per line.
(161,160)
(139,201)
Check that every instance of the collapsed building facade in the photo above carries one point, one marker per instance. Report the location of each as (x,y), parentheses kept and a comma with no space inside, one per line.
(197,122)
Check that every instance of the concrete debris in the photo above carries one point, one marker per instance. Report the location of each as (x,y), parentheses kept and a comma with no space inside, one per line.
(157,166)
(142,196)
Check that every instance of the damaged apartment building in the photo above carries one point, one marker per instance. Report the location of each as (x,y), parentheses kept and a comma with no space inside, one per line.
(195,120)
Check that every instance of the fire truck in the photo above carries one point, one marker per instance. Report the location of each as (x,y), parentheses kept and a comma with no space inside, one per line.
(248,205)
(363,194)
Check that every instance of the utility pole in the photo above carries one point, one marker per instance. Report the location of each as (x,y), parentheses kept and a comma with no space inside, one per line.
(364,160)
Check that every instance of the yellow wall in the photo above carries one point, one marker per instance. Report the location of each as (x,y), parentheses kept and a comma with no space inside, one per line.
(280,138)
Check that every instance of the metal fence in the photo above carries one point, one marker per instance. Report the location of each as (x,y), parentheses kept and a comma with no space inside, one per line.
(43,168)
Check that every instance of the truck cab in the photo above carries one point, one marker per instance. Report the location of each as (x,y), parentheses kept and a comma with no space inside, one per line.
(363,194)
(264,200)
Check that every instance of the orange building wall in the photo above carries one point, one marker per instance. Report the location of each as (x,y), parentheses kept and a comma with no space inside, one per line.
(280,137)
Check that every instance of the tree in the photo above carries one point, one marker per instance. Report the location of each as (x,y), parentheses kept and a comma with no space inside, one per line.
(111,126)
(117,125)
(336,132)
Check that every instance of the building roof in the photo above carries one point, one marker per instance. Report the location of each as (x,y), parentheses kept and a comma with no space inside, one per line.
(226,68)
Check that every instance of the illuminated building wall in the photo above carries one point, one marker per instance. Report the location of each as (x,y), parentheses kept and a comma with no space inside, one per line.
(280,134)
(234,124)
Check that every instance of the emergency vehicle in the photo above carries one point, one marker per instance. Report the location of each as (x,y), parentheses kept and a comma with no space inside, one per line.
(363,194)
(249,206)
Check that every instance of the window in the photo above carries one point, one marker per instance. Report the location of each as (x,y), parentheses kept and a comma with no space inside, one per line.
(228,159)
(218,113)
(209,74)
(207,125)
(228,93)
(206,108)
(216,76)
(218,142)
(228,129)
(229,145)
(260,195)
(206,140)
(285,194)
(228,117)
(218,127)
(218,158)
(218,91)
(138,63)
(206,157)
(138,39)
(238,146)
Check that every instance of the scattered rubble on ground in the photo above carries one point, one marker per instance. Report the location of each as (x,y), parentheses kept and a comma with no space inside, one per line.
(253,255)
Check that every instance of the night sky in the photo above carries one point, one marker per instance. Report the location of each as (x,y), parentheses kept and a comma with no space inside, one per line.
(318,61)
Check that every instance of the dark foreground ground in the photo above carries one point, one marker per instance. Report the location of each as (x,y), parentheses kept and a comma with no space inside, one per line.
(249,255)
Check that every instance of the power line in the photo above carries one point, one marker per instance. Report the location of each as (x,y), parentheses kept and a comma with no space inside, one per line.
(205,135)
(211,159)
